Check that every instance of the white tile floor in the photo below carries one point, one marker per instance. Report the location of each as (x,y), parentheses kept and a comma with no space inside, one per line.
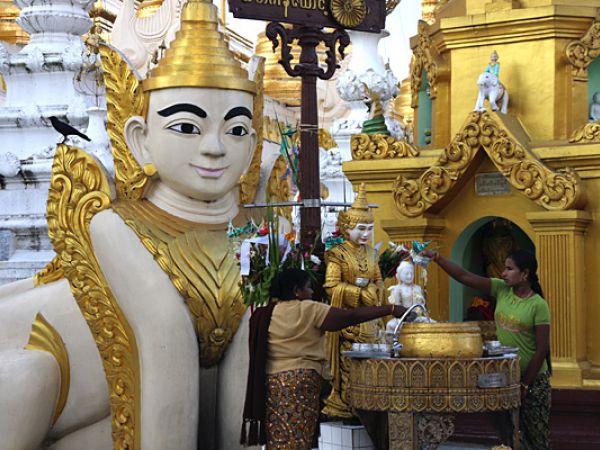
(337,436)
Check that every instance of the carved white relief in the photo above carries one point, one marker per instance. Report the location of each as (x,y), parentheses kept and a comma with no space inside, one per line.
(140,37)
(4,59)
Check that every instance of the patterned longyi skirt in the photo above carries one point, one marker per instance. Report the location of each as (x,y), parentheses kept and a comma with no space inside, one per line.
(292,409)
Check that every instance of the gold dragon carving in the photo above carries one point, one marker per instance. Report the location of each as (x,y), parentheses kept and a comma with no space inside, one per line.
(526,173)
(581,52)
(379,146)
(422,59)
(44,337)
(78,191)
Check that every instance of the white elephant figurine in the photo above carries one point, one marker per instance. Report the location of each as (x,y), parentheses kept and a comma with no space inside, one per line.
(491,88)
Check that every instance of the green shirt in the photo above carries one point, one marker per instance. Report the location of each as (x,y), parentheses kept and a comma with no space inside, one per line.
(516,319)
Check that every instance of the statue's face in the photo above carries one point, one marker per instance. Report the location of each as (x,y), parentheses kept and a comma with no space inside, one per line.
(200,140)
(361,233)
(494,57)
(405,273)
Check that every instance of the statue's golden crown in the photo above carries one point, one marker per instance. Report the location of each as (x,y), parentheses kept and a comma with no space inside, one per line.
(359,212)
(199,55)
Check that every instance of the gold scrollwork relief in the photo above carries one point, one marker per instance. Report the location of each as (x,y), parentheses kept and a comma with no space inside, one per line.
(422,59)
(78,191)
(581,52)
(379,146)
(559,190)
(587,134)
(44,337)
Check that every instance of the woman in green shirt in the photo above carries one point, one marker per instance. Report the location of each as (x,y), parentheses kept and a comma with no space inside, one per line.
(522,320)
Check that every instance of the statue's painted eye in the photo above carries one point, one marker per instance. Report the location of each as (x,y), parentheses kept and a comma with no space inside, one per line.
(185,128)
(238,130)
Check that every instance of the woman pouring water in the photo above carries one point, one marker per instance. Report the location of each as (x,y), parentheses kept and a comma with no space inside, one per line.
(522,320)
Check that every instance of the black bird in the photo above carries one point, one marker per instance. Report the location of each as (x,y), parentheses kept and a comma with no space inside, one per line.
(66,130)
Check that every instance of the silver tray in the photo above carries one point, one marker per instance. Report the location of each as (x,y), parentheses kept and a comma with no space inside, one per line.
(502,350)
(365,355)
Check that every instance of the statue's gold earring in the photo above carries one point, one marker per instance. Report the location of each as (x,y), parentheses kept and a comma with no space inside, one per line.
(149,170)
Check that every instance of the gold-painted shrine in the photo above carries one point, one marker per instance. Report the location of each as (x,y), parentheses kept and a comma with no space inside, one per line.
(542,154)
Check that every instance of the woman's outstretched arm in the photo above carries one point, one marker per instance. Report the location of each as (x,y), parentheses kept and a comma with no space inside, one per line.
(338,318)
(461,275)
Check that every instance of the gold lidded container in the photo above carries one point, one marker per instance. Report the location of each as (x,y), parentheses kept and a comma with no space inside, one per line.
(441,340)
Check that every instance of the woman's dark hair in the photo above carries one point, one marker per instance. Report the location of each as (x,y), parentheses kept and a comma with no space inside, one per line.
(284,284)
(524,259)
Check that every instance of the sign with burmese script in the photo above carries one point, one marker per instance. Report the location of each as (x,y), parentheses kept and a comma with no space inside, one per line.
(361,15)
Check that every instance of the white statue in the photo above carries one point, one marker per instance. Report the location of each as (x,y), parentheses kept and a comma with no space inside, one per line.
(491,88)
(595,107)
(405,292)
(146,290)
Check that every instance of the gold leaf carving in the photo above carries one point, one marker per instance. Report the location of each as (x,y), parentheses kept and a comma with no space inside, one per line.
(44,337)
(279,187)
(587,134)
(78,191)
(423,59)
(52,272)
(249,180)
(124,99)
(380,146)
(348,13)
(551,190)
(581,52)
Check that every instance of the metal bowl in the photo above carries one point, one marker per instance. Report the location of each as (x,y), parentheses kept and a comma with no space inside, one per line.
(441,340)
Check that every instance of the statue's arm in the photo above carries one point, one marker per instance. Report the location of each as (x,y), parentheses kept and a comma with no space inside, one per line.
(334,281)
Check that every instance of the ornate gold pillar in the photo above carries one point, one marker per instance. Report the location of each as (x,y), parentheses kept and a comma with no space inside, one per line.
(423,229)
(559,241)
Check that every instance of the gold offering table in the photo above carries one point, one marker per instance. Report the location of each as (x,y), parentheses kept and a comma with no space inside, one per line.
(421,396)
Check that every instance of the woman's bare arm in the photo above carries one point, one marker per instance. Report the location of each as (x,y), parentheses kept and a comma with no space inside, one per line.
(338,318)
(482,284)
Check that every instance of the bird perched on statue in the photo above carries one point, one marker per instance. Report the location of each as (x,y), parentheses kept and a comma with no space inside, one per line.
(66,130)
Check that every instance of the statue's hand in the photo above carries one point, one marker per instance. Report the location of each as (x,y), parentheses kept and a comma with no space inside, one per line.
(369,296)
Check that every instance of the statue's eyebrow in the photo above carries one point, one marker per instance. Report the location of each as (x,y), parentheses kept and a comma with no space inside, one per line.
(238,111)
(182,107)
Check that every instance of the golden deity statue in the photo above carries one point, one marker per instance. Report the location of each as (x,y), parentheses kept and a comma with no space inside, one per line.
(146,263)
(352,279)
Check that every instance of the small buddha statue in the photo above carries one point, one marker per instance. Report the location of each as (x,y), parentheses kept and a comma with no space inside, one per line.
(405,292)
(493,66)
(352,279)
(595,107)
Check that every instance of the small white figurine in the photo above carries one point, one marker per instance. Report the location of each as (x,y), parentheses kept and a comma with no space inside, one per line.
(491,88)
(406,293)
(595,107)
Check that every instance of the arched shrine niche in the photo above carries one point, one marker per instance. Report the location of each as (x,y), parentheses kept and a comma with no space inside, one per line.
(593,88)
(481,248)
(424,112)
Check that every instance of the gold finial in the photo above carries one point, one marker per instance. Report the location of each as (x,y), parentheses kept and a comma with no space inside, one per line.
(359,212)
(199,56)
